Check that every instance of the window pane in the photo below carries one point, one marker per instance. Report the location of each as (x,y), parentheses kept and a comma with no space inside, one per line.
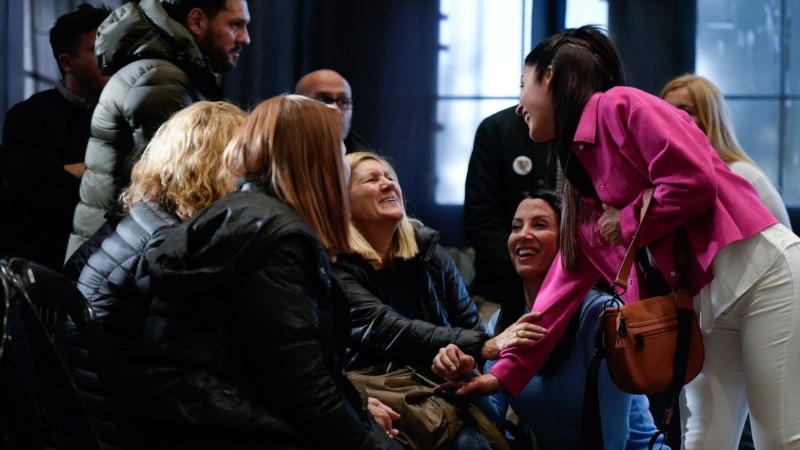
(482,47)
(586,12)
(793,71)
(756,123)
(738,45)
(791,160)
(459,120)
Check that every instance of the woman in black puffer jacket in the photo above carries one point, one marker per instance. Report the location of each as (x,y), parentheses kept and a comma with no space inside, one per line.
(245,341)
(407,298)
(180,172)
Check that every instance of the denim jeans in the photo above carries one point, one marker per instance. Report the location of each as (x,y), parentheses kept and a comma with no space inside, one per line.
(471,439)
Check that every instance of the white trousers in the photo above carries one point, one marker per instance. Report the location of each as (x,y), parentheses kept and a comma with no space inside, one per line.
(752,360)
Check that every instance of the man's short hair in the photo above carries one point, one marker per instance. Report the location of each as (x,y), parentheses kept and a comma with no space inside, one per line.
(66,34)
(178,10)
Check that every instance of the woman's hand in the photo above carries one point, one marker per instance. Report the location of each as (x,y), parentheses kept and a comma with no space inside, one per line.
(76,169)
(486,384)
(451,363)
(459,368)
(521,332)
(384,415)
(610,227)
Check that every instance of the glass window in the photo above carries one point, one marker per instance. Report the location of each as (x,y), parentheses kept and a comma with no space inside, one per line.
(586,12)
(482,41)
(454,142)
(790,163)
(483,44)
(755,122)
(745,47)
(739,45)
(791,70)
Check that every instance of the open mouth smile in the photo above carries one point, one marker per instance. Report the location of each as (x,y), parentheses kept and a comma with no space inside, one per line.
(527,252)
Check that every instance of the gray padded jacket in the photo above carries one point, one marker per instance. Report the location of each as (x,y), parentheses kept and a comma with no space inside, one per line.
(158,69)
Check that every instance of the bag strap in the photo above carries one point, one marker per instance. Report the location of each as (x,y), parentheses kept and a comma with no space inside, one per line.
(685,314)
(679,364)
(627,263)
(487,427)
(592,427)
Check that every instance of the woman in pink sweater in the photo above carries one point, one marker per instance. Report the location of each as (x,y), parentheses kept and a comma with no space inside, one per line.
(614,142)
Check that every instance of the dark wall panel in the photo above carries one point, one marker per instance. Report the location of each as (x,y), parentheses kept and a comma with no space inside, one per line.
(656,39)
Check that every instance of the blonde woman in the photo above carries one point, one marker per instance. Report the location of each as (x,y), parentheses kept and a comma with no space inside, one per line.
(706,105)
(179,173)
(406,296)
(246,334)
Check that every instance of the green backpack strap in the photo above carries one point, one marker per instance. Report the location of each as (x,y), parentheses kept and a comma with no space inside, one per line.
(487,427)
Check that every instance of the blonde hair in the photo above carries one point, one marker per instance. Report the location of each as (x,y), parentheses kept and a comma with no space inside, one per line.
(404,244)
(181,167)
(713,116)
(293,145)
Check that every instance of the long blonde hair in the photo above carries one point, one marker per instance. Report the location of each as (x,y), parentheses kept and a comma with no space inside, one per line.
(181,167)
(712,114)
(404,244)
(293,145)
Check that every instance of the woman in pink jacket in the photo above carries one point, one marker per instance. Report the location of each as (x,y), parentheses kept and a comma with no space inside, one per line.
(614,142)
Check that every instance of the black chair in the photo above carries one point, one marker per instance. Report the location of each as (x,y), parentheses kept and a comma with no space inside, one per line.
(40,385)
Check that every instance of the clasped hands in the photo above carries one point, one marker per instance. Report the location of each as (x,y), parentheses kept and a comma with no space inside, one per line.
(610,227)
(459,368)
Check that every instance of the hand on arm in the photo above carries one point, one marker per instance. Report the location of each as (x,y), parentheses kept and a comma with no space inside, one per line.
(520,333)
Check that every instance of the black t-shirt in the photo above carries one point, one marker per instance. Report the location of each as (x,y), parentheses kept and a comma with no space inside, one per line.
(41,135)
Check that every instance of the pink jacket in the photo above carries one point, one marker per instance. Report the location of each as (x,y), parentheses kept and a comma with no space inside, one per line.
(629,140)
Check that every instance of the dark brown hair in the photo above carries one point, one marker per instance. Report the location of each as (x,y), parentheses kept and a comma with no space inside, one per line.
(584,61)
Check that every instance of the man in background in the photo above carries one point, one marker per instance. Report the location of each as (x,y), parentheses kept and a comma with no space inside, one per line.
(164,56)
(505,162)
(332,89)
(44,142)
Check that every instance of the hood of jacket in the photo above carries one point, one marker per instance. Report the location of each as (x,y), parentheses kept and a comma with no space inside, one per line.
(223,240)
(136,31)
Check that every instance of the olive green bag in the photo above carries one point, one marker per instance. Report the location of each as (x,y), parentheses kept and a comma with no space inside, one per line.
(428,420)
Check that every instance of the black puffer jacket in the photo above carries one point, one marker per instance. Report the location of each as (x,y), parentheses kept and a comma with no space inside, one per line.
(245,337)
(115,282)
(115,279)
(380,334)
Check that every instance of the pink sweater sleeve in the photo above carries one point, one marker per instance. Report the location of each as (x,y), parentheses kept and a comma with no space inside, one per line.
(562,292)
